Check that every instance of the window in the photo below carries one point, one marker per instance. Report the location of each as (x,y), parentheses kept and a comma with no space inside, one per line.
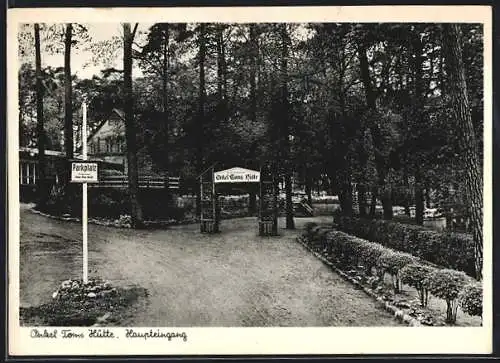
(108,145)
(120,144)
(27,173)
(33,173)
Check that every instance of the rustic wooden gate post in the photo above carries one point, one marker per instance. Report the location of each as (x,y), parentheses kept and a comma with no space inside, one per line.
(268,201)
(209,218)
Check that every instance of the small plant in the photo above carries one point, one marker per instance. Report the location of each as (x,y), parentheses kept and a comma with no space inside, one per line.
(414,275)
(392,262)
(471,299)
(447,285)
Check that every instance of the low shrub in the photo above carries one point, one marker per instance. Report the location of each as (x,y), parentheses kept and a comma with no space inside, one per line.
(309,226)
(317,237)
(447,285)
(370,255)
(471,299)
(350,248)
(414,275)
(455,287)
(392,262)
(451,250)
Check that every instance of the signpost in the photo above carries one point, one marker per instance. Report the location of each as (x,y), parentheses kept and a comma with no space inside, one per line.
(237,175)
(84,172)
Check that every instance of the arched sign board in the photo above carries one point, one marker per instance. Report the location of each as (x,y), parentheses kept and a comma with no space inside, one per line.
(210,208)
(237,175)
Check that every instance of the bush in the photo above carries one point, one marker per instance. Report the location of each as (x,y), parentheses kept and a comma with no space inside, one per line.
(447,285)
(471,299)
(414,274)
(392,262)
(370,254)
(309,226)
(451,250)
(317,237)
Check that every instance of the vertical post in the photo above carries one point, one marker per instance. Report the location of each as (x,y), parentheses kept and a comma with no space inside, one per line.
(202,229)
(84,197)
(214,204)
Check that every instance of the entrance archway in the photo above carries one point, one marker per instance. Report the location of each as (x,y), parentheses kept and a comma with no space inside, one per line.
(268,196)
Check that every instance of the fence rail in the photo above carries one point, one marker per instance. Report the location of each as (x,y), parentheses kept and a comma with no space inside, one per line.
(148,182)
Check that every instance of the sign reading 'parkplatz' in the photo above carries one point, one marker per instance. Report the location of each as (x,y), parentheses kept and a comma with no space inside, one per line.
(237,175)
(84,172)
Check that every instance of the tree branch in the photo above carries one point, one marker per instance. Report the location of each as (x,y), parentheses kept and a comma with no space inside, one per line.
(135,29)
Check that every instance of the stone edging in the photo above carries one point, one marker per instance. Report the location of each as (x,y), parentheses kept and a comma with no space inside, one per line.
(90,220)
(398,313)
(74,219)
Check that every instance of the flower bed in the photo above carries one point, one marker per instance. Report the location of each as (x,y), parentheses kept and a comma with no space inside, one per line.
(388,274)
(78,304)
(451,250)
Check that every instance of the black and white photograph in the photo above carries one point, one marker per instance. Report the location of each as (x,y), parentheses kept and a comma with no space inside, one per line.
(170,175)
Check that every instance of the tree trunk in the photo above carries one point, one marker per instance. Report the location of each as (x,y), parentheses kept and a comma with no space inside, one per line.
(428,203)
(69,143)
(221,70)
(345,186)
(68,107)
(284,114)
(380,161)
(308,186)
(419,198)
(252,206)
(252,202)
(253,72)
(130,128)
(418,121)
(166,122)
(363,205)
(462,117)
(41,181)
(407,188)
(201,110)
(373,202)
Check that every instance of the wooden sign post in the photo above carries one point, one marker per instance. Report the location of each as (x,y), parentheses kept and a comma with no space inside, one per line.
(84,172)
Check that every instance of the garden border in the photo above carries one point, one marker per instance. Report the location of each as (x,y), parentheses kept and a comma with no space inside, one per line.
(398,313)
(97,222)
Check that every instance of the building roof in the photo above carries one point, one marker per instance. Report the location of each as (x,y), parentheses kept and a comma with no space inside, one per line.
(61,154)
(34,150)
(116,111)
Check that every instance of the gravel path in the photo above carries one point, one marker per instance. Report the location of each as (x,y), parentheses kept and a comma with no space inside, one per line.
(234,278)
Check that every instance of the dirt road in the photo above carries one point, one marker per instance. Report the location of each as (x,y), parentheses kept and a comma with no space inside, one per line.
(234,278)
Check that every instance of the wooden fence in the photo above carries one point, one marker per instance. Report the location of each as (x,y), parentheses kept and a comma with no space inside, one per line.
(147,182)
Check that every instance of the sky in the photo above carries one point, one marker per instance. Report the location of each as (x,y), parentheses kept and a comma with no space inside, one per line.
(81,59)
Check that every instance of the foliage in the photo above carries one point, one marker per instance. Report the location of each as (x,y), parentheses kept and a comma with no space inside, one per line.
(447,285)
(370,254)
(450,285)
(309,226)
(382,124)
(471,299)
(392,262)
(415,274)
(450,250)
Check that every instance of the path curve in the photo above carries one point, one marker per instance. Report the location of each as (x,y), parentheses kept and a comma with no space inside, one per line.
(234,278)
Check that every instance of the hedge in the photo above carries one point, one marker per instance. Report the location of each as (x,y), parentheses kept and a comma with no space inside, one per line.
(454,287)
(451,250)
